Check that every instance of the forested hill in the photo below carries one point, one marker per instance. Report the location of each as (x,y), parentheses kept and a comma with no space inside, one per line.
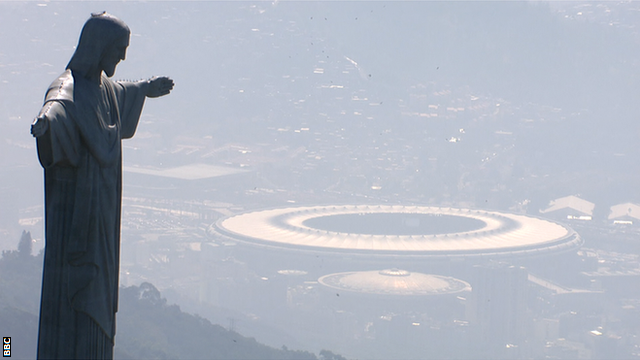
(148,328)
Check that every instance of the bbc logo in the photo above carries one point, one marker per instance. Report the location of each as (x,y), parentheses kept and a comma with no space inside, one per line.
(6,347)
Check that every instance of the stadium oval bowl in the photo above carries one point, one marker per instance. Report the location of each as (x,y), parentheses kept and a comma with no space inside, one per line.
(397,230)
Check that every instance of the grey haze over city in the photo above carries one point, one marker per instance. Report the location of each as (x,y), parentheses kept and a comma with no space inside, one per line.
(525,110)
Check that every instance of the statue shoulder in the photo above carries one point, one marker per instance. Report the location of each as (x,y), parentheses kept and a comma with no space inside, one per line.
(61,89)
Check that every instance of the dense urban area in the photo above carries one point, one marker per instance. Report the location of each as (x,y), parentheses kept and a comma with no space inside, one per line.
(516,107)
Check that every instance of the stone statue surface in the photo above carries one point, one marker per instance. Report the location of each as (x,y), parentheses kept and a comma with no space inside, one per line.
(78,134)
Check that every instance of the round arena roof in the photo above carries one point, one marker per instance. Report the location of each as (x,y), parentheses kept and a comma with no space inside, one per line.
(399,230)
(394,282)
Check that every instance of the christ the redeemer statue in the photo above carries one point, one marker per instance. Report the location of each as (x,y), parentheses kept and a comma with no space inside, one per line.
(79,131)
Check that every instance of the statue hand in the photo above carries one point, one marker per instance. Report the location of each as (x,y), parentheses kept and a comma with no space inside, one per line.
(159,86)
(39,126)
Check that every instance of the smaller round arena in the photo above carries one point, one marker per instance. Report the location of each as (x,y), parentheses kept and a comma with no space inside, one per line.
(394,282)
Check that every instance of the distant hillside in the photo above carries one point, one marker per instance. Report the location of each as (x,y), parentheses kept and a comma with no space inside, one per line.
(148,328)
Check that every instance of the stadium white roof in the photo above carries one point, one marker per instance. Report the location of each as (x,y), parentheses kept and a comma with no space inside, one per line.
(499,233)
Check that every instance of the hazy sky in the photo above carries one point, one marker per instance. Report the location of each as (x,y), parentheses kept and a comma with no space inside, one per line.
(242,68)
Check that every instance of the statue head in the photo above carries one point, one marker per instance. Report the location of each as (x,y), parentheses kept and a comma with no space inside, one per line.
(103,43)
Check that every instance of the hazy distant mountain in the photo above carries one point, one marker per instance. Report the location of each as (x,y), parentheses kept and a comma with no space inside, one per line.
(148,328)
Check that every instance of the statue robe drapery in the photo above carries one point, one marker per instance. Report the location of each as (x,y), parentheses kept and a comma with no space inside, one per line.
(82,161)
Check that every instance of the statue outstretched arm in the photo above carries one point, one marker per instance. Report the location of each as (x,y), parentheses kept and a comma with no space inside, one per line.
(57,137)
(40,131)
(131,96)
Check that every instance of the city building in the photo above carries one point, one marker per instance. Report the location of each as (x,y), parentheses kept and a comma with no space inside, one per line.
(570,208)
(624,214)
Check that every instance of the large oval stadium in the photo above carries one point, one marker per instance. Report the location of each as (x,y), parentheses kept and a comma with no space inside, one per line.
(396,230)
